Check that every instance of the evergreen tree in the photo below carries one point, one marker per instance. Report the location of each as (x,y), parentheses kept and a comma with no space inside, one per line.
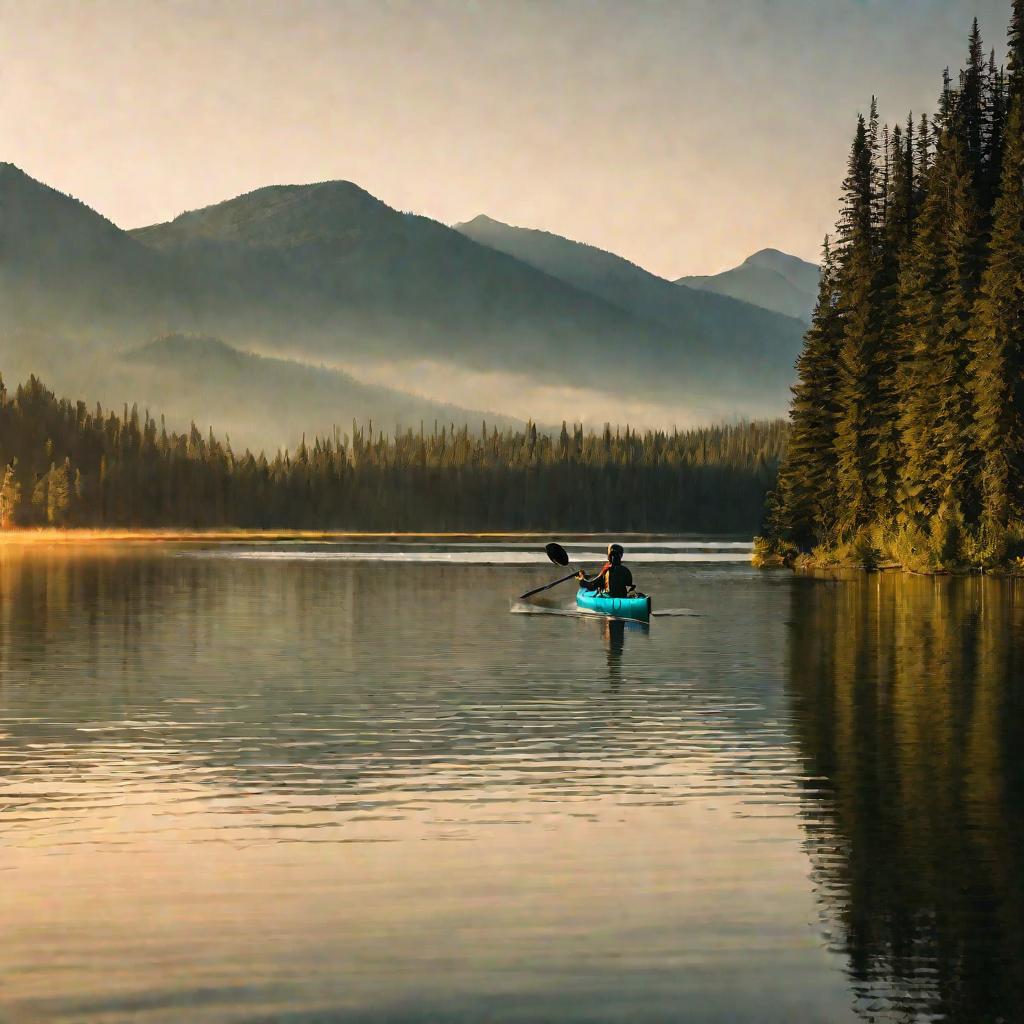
(59,495)
(857,382)
(891,355)
(40,500)
(939,288)
(83,468)
(928,405)
(947,103)
(972,102)
(922,161)
(995,128)
(10,498)
(804,503)
(998,335)
(1015,53)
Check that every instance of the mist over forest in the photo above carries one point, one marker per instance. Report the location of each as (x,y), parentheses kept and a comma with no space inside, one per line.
(295,309)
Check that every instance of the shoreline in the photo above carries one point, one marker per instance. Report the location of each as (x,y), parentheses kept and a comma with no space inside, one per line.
(163,535)
(804,565)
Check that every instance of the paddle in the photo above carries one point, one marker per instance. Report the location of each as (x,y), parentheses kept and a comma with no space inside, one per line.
(559,556)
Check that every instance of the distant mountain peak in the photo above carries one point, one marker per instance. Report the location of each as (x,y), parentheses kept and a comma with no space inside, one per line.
(481,220)
(275,215)
(31,193)
(768,278)
(776,259)
(769,255)
(48,235)
(9,170)
(13,173)
(327,271)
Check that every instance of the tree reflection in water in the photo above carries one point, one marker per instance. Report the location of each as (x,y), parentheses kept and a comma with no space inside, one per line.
(907,695)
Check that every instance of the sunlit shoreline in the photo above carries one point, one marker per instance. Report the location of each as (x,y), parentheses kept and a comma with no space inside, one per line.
(159,535)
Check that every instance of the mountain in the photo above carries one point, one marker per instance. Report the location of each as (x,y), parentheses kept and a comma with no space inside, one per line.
(336,271)
(269,403)
(328,273)
(325,269)
(771,279)
(710,323)
(408,287)
(60,260)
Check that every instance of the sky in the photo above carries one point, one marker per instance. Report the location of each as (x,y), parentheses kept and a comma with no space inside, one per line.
(681,134)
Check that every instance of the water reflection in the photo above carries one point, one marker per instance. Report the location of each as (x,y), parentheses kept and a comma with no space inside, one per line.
(610,820)
(368,792)
(907,698)
(614,633)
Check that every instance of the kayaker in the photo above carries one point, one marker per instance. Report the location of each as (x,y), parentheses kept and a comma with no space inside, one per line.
(614,578)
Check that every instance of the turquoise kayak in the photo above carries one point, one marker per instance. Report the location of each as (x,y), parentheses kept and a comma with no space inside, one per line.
(620,607)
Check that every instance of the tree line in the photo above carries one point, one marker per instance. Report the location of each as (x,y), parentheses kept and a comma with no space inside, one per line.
(908,414)
(64,464)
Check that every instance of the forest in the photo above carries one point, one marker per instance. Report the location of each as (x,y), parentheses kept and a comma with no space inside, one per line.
(64,464)
(907,441)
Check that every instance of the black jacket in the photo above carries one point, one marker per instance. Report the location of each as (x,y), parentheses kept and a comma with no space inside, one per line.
(615,579)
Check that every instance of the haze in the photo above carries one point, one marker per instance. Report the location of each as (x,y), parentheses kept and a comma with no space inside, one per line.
(683,136)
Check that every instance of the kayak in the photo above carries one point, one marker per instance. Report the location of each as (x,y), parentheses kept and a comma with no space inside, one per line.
(620,607)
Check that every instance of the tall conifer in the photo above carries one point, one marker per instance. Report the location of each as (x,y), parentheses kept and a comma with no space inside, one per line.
(939,287)
(1015,53)
(857,382)
(995,128)
(891,356)
(804,508)
(998,335)
(971,103)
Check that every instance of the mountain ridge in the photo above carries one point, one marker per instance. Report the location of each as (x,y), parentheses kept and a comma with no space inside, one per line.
(768,278)
(631,287)
(328,273)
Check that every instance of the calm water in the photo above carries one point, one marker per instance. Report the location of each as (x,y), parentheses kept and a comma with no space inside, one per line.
(303,783)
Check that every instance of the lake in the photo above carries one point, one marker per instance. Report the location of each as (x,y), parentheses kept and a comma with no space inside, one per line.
(309,782)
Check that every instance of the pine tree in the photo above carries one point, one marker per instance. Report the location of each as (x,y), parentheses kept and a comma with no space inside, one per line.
(40,500)
(804,505)
(857,383)
(106,470)
(947,104)
(10,498)
(928,409)
(995,128)
(891,356)
(965,257)
(939,286)
(922,160)
(59,494)
(971,104)
(1015,54)
(998,336)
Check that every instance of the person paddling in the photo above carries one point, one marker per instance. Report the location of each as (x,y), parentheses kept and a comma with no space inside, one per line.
(614,578)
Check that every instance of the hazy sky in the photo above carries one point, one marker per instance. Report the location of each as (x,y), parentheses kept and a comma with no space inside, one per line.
(683,135)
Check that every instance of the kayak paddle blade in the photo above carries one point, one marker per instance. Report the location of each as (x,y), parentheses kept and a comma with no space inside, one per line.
(557,553)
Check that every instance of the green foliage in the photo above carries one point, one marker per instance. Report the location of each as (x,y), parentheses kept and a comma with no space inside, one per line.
(927,412)
(82,467)
(771,552)
(911,547)
(998,337)
(946,533)
(803,507)
(10,497)
(860,550)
